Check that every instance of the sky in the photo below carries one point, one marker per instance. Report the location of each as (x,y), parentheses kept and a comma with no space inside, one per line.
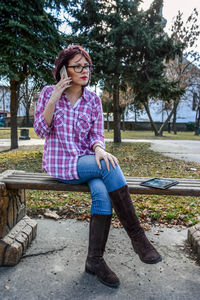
(171,8)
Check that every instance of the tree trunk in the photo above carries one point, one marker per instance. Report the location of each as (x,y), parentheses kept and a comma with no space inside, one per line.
(4,106)
(135,111)
(160,131)
(124,126)
(153,126)
(27,116)
(108,124)
(116,109)
(14,89)
(169,127)
(197,121)
(28,102)
(174,121)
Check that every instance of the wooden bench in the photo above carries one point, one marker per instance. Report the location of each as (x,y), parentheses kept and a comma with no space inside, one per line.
(17,230)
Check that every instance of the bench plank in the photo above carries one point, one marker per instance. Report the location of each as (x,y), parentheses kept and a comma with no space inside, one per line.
(42,181)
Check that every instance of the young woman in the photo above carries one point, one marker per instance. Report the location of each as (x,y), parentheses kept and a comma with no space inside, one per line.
(70,118)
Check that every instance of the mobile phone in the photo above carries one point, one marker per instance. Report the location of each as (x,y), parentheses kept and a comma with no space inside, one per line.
(63,71)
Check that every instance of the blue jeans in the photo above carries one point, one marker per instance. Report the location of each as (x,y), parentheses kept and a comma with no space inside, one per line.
(100,181)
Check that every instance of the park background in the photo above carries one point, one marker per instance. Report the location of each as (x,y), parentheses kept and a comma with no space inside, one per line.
(138,62)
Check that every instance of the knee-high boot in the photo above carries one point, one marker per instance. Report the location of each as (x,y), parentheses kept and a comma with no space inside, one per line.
(125,211)
(95,264)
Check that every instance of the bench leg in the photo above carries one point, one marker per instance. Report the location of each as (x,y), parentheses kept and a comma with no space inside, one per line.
(194,238)
(16,229)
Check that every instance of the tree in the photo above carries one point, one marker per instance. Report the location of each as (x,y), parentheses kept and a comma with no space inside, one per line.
(150,81)
(183,68)
(4,90)
(29,40)
(197,107)
(28,89)
(107,106)
(127,45)
(195,92)
(103,27)
(125,99)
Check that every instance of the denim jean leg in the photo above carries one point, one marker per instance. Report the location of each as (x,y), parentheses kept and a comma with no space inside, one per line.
(101,182)
(101,203)
(88,169)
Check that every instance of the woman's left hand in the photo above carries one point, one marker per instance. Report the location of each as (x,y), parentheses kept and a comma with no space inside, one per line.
(102,154)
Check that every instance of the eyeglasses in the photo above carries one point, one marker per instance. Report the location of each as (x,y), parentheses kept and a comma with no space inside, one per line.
(79,69)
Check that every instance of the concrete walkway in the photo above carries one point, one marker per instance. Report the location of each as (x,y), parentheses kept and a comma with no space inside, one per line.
(180,149)
(6,142)
(184,150)
(53,267)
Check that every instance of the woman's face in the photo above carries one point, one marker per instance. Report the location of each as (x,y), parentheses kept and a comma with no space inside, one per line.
(83,77)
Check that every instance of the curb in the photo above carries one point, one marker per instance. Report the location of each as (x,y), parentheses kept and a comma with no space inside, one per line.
(194,238)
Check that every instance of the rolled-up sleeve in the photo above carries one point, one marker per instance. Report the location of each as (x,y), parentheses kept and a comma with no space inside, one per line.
(40,125)
(97,129)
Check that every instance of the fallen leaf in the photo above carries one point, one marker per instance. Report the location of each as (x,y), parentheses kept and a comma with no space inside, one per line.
(115,225)
(51,214)
(6,287)
(146,227)
(157,233)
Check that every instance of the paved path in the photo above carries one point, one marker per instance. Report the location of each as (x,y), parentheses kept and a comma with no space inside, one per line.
(53,267)
(185,150)
(181,149)
(6,142)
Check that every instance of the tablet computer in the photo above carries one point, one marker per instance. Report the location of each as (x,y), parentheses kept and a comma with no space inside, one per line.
(159,183)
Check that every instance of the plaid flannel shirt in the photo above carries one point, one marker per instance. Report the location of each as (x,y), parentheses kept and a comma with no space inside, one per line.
(72,133)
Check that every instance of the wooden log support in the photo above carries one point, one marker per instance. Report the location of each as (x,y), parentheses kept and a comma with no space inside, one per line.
(194,238)
(15,243)
(12,208)
(4,203)
(16,229)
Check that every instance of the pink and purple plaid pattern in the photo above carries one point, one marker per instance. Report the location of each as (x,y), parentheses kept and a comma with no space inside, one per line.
(73,132)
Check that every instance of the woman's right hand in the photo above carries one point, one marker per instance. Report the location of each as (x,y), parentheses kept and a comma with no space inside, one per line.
(101,154)
(59,88)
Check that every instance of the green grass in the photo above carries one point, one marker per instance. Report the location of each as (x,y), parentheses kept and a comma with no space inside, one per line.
(5,134)
(135,160)
(150,135)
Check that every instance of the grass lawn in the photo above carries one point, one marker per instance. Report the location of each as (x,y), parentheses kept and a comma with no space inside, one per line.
(135,160)
(150,135)
(5,134)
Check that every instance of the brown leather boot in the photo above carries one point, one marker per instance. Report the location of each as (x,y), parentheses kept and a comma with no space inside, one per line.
(95,264)
(125,211)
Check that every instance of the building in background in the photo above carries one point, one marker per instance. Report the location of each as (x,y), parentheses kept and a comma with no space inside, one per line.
(185,112)
(5,103)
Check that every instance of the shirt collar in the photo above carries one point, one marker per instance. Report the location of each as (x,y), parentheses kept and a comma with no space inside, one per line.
(85,94)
